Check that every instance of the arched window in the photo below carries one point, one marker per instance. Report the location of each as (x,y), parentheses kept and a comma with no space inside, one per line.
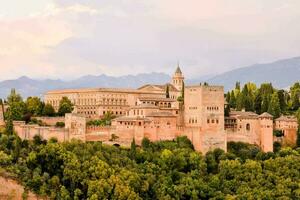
(248,127)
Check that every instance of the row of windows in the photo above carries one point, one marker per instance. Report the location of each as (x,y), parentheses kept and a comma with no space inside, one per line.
(87,112)
(193,108)
(138,112)
(113,112)
(86,108)
(193,121)
(175,81)
(214,108)
(212,121)
(163,104)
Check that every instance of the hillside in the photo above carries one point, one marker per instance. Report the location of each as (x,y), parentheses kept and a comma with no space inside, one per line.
(11,189)
(281,73)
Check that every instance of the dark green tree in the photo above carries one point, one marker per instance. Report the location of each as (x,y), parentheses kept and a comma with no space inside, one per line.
(282,100)
(34,106)
(9,126)
(227,111)
(265,103)
(258,103)
(65,106)
(227,97)
(274,106)
(167,91)
(132,152)
(48,110)
(232,102)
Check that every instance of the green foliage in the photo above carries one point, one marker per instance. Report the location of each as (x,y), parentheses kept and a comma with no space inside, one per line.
(105,121)
(9,126)
(5,159)
(65,106)
(48,110)
(276,146)
(274,106)
(278,133)
(14,97)
(159,170)
(167,92)
(60,124)
(265,99)
(34,106)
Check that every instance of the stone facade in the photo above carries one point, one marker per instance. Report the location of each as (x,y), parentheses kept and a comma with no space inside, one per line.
(251,128)
(204,117)
(289,127)
(94,103)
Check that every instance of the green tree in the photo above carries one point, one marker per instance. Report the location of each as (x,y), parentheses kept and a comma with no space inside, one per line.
(14,97)
(65,106)
(9,126)
(48,110)
(258,103)
(232,102)
(227,97)
(238,86)
(265,103)
(274,106)
(282,100)
(239,101)
(167,91)
(132,152)
(34,106)
(227,110)
(246,101)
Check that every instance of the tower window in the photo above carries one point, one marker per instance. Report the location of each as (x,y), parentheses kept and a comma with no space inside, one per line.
(248,127)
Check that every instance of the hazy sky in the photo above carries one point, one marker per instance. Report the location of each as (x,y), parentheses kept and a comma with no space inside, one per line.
(71,38)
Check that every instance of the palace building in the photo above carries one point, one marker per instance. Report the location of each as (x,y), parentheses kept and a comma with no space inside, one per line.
(160,112)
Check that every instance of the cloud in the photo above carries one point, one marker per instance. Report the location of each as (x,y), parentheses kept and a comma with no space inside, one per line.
(71,38)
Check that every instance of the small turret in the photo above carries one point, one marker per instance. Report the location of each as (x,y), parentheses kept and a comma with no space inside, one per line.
(178,78)
(266,132)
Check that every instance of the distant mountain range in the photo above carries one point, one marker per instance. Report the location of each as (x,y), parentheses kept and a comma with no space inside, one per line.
(282,74)
(30,87)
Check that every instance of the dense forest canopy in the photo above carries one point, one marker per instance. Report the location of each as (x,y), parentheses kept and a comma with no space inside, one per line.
(161,170)
(264,99)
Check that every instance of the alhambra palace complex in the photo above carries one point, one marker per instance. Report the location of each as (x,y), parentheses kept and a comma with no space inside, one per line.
(147,112)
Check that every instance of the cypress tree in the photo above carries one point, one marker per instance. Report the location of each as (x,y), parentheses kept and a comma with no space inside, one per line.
(167,92)
(258,103)
(9,126)
(228,97)
(239,101)
(265,104)
(132,152)
(232,100)
(274,106)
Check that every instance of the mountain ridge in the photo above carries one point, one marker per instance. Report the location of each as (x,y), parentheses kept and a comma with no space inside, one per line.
(282,73)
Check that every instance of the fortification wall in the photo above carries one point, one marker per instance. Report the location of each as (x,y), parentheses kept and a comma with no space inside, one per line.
(51,121)
(29,131)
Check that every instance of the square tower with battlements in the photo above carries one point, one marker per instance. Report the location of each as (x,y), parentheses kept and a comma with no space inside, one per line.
(204,116)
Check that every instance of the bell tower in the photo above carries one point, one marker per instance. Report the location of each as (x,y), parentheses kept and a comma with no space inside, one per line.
(178,79)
